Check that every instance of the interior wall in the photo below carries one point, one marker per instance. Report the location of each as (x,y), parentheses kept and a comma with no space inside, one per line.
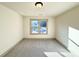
(63,23)
(11,28)
(51,27)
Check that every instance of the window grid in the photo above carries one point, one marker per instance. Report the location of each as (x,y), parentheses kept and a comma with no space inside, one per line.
(39,27)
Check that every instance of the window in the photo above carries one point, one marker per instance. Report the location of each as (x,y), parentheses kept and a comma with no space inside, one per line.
(38,26)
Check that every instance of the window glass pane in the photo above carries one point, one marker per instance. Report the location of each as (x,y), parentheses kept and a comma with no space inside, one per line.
(34,24)
(43,26)
(43,30)
(35,30)
(43,23)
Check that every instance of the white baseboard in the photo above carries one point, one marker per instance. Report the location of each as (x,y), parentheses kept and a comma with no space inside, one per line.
(40,38)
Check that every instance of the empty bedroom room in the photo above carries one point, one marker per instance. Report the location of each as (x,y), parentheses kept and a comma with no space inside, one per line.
(39,29)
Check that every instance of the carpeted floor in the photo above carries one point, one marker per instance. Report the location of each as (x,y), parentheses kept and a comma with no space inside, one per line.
(36,48)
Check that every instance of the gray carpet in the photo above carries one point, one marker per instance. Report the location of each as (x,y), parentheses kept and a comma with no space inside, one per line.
(35,48)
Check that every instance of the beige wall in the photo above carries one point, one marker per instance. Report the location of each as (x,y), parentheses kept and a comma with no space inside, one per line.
(51,28)
(63,22)
(11,28)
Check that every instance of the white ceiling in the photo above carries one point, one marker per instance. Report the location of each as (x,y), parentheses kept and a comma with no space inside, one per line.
(49,8)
